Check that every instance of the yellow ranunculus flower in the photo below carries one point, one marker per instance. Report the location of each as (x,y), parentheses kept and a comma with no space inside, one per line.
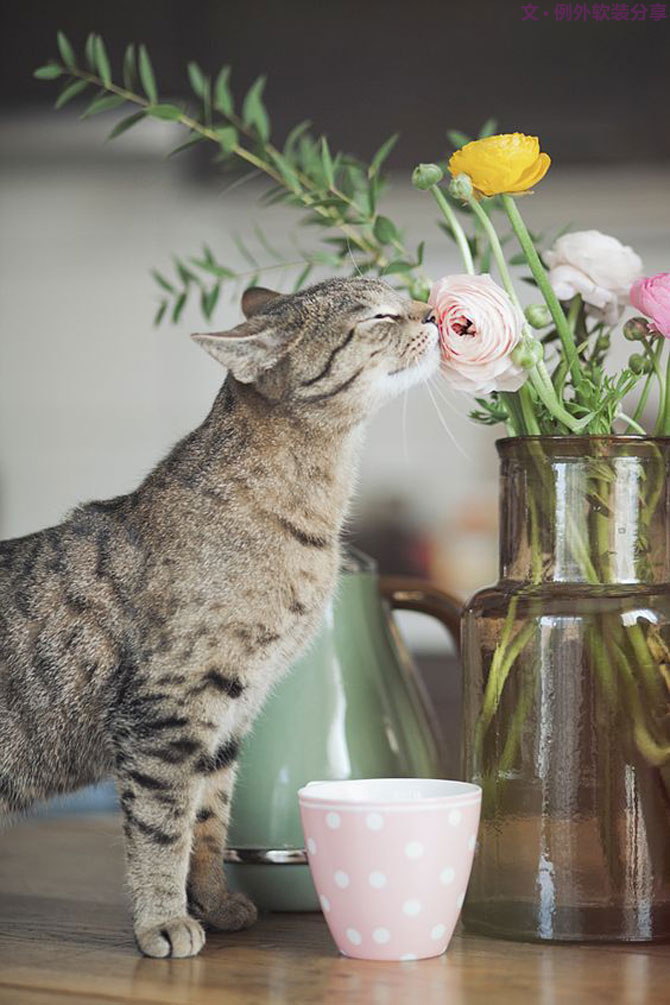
(509,162)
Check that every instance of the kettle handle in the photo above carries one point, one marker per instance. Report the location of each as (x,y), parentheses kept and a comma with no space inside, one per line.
(408,594)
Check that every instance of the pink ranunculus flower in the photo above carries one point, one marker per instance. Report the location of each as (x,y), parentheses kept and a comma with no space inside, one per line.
(651,296)
(479,327)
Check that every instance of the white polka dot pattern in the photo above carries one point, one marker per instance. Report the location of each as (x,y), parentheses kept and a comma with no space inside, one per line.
(391,881)
(414,849)
(374,821)
(381,936)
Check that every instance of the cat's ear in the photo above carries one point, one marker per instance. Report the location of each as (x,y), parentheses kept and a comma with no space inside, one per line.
(247,350)
(255,299)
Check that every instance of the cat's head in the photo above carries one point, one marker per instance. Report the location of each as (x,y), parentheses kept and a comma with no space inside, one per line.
(342,346)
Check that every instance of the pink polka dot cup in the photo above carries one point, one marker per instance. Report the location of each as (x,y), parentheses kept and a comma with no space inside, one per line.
(390,859)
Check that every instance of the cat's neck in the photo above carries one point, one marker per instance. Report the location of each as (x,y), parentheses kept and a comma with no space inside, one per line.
(292,463)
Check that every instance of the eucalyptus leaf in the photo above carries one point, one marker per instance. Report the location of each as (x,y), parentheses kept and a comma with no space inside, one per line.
(125,124)
(48,72)
(129,67)
(102,61)
(89,51)
(186,146)
(70,92)
(164,111)
(457,138)
(179,305)
(254,113)
(65,49)
(393,268)
(105,103)
(381,155)
(223,99)
(147,76)
(327,163)
(197,79)
(227,137)
(162,281)
(160,313)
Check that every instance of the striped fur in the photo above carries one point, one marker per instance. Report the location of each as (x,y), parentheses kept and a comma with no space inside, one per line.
(139,638)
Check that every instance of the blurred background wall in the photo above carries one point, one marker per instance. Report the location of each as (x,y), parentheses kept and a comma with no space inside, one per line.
(91,394)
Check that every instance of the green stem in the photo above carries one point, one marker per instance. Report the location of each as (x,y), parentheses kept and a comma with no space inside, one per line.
(496,248)
(541,381)
(530,422)
(542,280)
(456,229)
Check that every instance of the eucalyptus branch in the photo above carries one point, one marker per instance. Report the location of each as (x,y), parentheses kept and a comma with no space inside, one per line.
(339,193)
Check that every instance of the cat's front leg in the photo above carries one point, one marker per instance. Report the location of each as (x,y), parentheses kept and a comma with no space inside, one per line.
(208,893)
(159,812)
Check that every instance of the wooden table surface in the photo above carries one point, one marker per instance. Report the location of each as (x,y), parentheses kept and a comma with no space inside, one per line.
(65,937)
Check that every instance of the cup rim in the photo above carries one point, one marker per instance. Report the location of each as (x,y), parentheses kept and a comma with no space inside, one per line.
(329,793)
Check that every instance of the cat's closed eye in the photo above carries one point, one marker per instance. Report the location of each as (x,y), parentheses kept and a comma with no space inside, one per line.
(391,317)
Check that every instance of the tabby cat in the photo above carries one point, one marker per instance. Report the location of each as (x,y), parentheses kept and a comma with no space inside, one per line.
(140,637)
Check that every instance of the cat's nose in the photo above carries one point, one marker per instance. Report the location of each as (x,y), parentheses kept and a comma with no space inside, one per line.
(430,318)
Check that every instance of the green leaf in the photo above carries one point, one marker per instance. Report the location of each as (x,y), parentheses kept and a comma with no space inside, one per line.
(160,313)
(102,62)
(294,136)
(48,72)
(168,112)
(419,253)
(398,266)
(488,129)
(197,79)
(103,104)
(65,49)
(184,274)
(253,110)
(223,99)
(518,259)
(70,92)
(178,307)
(186,146)
(300,281)
(129,67)
(381,155)
(162,281)
(385,230)
(227,138)
(125,124)
(208,300)
(327,163)
(147,76)
(287,171)
(89,51)
(457,138)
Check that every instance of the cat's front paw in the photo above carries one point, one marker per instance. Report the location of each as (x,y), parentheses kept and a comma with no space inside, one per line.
(176,937)
(233,912)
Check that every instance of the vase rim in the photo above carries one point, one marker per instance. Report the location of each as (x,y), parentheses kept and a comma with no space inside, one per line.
(605,438)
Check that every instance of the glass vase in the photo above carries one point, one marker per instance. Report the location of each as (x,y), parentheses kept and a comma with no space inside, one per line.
(567,695)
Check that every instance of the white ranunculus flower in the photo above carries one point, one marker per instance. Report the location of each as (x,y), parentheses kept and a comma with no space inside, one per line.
(598,267)
(479,329)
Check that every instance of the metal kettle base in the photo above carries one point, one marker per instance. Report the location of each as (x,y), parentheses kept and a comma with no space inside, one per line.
(275,879)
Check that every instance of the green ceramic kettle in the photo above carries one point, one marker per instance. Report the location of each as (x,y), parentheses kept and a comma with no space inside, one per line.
(352,707)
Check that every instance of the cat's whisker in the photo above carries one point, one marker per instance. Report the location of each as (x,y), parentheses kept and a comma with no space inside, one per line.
(444,425)
(404,427)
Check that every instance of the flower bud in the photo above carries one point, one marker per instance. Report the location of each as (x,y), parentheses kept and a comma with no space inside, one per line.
(420,288)
(538,316)
(603,343)
(461,187)
(425,176)
(528,353)
(639,363)
(636,329)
